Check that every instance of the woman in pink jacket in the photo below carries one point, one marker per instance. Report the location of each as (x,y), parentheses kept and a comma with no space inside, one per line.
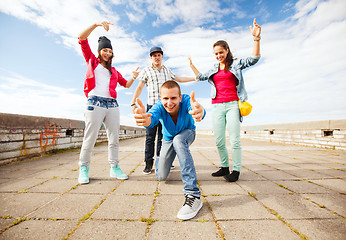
(102,107)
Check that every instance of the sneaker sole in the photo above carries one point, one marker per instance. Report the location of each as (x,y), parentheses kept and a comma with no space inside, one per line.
(83,182)
(120,178)
(192,215)
(147,173)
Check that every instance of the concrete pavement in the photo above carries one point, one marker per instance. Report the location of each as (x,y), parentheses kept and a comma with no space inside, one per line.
(284,192)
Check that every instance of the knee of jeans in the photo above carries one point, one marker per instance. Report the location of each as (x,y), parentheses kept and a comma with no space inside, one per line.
(179,143)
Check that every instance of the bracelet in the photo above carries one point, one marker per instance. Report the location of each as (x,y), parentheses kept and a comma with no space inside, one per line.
(257,39)
(133,104)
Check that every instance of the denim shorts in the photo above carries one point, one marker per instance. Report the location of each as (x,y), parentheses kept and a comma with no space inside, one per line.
(102,102)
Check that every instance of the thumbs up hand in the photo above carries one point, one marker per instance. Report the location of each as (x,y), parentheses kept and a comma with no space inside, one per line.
(197,111)
(141,117)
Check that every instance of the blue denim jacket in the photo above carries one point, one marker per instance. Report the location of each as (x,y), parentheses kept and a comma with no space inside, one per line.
(236,69)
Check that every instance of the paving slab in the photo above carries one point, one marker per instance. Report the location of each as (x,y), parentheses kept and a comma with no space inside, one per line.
(39,229)
(137,187)
(55,185)
(335,202)
(265,187)
(171,187)
(18,185)
(237,207)
(257,229)
(284,192)
(306,173)
(5,222)
(276,175)
(97,186)
(110,230)
(321,229)
(304,187)
(68,206)
(121,207)
(294,206)
(221,188)
(183,230)
(21,204)
(333,184)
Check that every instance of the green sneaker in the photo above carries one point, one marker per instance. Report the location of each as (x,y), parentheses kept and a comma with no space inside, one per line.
(83,175)
(116,172)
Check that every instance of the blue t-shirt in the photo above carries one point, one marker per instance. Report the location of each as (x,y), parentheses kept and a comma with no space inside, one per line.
(169,129)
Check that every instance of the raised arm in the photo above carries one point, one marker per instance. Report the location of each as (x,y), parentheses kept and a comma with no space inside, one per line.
(256,33)
(194,69)
(184,79)
(136,95)
(85,34)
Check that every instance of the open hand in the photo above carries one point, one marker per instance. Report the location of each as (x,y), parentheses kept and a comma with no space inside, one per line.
(197,111)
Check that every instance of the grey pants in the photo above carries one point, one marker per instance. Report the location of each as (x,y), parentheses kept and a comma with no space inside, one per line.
(100,111)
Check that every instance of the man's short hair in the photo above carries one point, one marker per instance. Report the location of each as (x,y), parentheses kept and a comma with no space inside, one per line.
(171,84)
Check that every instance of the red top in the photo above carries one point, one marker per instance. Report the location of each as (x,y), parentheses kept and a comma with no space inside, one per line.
(92,63)
(226,87)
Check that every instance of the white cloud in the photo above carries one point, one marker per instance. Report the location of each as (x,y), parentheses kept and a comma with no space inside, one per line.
(301,75)
(29,97)
(67,19)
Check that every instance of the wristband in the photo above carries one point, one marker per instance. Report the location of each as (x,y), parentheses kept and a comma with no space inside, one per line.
(257,38)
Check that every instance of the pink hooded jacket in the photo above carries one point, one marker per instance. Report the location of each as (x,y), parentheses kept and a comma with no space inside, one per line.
(92,63)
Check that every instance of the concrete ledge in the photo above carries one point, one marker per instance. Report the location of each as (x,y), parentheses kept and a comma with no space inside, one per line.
(23,136)
(330,134)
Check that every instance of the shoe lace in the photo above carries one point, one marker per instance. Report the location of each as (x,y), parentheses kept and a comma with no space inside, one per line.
(189,201)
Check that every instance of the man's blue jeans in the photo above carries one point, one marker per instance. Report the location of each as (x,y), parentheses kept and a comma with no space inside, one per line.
(179,146)
(150,141)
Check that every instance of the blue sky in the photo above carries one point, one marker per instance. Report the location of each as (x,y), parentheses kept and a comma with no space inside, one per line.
(300,76)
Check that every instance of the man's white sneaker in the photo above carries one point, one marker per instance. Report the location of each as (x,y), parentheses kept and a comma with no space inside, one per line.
(190,208)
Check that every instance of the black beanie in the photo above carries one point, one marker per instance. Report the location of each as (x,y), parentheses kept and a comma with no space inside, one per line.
(104,43)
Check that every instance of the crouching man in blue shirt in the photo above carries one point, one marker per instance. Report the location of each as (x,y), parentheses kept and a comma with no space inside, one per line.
(177,113)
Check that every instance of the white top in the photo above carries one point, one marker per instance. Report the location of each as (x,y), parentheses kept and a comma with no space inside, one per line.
(102,79)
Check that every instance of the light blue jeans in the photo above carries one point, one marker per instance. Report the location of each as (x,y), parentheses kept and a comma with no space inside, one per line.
(179,146)
(227,114)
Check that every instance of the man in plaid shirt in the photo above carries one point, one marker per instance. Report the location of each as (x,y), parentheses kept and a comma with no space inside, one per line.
(153,77)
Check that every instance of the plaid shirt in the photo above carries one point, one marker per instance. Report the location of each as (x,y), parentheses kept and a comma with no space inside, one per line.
(154,78)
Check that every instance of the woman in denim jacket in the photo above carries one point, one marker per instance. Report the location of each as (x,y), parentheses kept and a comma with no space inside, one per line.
(102,107)
(227,88)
